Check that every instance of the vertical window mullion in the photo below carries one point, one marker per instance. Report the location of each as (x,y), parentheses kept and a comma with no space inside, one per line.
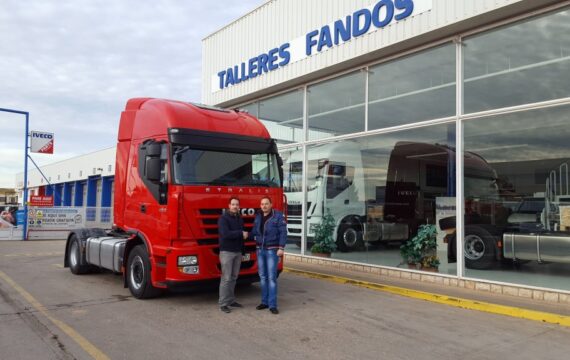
(459,180)
(366,82)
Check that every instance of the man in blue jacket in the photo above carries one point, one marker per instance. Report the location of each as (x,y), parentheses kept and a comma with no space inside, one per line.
(270,234)
(230,229)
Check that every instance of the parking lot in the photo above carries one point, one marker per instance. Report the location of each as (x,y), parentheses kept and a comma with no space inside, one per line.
(48,313)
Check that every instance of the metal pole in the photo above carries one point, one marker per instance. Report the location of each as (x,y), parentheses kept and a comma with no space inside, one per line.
(25,200)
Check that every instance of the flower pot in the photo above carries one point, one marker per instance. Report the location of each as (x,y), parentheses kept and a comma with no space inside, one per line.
(413,266)
(429,269)
(323,255)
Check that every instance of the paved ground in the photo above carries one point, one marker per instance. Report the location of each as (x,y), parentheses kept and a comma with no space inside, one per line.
(48,313)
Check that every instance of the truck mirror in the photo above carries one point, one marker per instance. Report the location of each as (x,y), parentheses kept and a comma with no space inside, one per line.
(152,172)
(153,149)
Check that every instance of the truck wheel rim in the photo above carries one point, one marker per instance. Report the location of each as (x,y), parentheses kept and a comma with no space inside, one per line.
(349,237)
(474,247)
(73,254)
(137,272)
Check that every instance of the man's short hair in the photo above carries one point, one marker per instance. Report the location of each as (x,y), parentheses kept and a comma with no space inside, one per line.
(233,198)
(268,198)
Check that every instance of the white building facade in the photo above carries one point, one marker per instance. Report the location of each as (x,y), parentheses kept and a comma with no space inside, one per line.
(395,114)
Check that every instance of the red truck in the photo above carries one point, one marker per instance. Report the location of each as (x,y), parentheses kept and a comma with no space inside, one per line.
(177,165)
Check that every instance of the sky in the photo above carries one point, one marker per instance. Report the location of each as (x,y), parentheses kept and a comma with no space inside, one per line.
(73,65)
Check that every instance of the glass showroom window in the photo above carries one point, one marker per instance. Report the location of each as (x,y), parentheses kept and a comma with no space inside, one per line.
(415,88)
(517,213)
(293,188)
(283,116)
(336,106)
(379,190)
(522,63)
(250,108)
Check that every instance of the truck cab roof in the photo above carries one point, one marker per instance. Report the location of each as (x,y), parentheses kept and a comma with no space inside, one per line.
(153,118)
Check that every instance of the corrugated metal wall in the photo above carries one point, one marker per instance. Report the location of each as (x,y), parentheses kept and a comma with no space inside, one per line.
(279,21)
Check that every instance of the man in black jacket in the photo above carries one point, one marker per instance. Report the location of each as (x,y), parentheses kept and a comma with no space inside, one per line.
(230,226)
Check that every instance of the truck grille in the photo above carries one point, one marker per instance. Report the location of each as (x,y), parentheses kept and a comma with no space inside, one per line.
(208,219)
(295,210)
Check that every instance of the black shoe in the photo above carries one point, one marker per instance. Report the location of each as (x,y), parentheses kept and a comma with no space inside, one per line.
(274,311)
(261,307)
(236,304)
(225,309)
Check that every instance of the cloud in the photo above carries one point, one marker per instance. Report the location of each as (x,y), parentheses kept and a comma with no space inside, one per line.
(73,66)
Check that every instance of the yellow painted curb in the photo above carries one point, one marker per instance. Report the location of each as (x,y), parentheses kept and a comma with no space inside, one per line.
(80,340)
(444,299)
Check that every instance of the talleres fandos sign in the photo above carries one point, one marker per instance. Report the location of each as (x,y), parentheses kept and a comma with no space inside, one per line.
(41,142)
(363,21)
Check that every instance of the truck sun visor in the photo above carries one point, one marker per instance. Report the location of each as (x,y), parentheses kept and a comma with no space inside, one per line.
(206,140)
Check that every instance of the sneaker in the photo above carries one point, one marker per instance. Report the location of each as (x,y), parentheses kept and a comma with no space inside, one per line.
(274,311)
(236,304)
(261,307)
(225,309)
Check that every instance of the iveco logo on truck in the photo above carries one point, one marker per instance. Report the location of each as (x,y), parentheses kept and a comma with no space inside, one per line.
(244,212)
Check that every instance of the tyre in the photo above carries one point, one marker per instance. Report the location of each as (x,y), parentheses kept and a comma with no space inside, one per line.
(348,238)
(74,257)
(478,248)
(138,274)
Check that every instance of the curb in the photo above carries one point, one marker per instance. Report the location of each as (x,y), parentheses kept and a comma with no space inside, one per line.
(511,311)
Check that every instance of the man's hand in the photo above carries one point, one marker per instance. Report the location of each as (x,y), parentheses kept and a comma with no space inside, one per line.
(245,235)
(280,252)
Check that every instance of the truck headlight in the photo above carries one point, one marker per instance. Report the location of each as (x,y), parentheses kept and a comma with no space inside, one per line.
(187,260)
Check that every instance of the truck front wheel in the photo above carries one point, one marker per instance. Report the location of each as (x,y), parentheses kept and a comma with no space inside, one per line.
(348,238)
(138,274)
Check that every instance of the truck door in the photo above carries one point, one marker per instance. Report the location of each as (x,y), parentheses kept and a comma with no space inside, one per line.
(153,171)
(341,194)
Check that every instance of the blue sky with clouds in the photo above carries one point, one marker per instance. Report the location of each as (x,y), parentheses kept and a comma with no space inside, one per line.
(74,64)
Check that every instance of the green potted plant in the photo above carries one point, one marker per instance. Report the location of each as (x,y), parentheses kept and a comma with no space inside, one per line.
(421,250)
(324,242)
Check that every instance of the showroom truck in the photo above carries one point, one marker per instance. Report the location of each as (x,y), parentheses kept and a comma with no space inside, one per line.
(537,230)
(381,195)
(369,202)
(177,165)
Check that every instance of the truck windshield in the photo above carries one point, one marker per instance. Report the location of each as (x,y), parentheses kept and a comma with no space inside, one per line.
(205,167)
(293,175)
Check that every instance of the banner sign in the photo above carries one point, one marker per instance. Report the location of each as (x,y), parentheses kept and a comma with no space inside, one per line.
(41,200)
(56,218)
(42,142)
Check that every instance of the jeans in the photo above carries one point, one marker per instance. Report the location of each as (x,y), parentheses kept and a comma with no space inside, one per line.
(267,261)
(231,262)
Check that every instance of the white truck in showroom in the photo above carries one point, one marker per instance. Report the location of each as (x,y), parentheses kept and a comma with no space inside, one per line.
(339,182)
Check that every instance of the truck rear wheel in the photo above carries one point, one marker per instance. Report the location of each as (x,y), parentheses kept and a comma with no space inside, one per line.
(478,248)
(74,257)
(138,274)
(348,238)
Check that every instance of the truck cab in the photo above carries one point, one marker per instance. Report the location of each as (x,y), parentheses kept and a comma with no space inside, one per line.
(177,165)
(335,183)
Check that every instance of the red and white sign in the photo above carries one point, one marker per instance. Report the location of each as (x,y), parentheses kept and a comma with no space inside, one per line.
(38,200)
(42,142)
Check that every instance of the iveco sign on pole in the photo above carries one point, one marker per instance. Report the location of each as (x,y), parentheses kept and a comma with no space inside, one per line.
(42,142)
(363,21)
